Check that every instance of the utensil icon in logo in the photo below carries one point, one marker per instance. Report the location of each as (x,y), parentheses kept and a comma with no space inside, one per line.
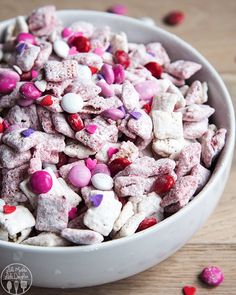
(9,286)
(16,286)
(23,285)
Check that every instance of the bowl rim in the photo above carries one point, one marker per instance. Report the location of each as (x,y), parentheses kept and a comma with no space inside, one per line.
(222,162)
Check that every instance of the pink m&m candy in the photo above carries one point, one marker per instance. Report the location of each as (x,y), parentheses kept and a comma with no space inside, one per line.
(79,175)
(212,276)
(41,182)
(25,37)
(8,80)
(29,91)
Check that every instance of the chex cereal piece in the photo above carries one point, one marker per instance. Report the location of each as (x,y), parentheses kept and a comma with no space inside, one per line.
(139,56)
(25,117)
(99,104)
(83,27)
(184,89)
(17,221)
(19,143)
(82,236)
(167,125)
(119,42)
(52,213)
(159,53)
(72,197)
(130,186)
(9,100)
(175,81)
(104,132)
(11,159)
(168,147)
(46,239)
(58,89)
(188,158)
(25,61)
(202,174)
(195,112)
(52,142)
(11,178)
(181,102)
(126,212)
(86,89)
(61,125)
(128,150)
(78,150)
(102,154)
(43,20)
(197,93)
(130,96)
(182,69)
(102,218)
(181,192)
(212,143)
(124,129)
(56,71)
(45,118)
(101,37)
(138,75)
(193,130)
(150,205)
(88,59)
(44,54)
(130,227)
(165,102)
(141,127)
(25,188)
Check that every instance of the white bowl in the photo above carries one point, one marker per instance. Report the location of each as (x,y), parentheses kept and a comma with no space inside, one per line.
(114,260)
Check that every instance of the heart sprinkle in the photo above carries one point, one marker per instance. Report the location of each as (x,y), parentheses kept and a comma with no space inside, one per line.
(135,115)
(91,128)
(111,151)
(96,200)
(91,163)
(189,290)
(7,209)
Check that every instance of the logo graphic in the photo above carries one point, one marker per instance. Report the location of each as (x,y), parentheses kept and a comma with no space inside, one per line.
(16,278)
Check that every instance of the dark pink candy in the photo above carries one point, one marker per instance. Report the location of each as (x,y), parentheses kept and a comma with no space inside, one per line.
(8,80)
(41,182)
(29,91)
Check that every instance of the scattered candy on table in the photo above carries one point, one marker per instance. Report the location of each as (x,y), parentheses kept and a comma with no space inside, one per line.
(212,276)
(174,18)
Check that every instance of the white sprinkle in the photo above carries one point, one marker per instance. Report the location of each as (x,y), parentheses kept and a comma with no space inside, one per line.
(17,69)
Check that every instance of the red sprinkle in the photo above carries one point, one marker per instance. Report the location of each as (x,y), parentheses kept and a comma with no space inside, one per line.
(121,57)
(174,18)
(189,290)
(155,68)
(81,43)
(163,184)
(75,122)
(46,101)
(7,209)
(1,128)
(93,70)
(147,107)
(146,223)
(118,165)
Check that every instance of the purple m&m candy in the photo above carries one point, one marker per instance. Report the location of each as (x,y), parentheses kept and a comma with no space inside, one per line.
(79,175)
(40,182)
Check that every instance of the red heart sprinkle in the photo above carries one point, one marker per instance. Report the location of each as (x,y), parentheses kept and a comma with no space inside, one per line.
(189,290)
(155,68)
(118,165)
(93,70)
(174,18)
(91,128)
(75,122)
(147,107)
(163,184)
(46,101)
(146,223)
(7,209)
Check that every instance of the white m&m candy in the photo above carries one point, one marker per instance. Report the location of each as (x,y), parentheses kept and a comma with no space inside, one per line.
(61,48)
(102,181)
(72,103)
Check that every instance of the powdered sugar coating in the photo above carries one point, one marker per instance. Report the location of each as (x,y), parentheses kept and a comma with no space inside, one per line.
(132,130)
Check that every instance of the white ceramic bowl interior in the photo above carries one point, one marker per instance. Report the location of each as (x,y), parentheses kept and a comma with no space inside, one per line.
(110,261)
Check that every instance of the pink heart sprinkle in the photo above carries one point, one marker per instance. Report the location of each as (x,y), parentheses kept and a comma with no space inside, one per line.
(91,163)
(91,128)
(111,151)
(99,51)
(73,50)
